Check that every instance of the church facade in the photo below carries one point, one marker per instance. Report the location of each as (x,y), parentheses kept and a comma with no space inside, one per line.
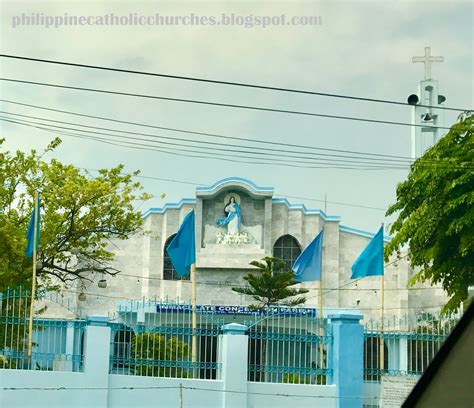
(238,222)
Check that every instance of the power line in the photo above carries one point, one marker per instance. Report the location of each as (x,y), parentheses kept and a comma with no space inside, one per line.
(372,156)
(332,202)
(358,279)
(214,135)
(279,195)
(220,147)
(207,143)
(220,284)
(153,178)
(220,104)
(398,160)
(208,283)
(219,82)
(207,154)
(230,285)
(165,303)
(284,195)
(176,387)
(201,155)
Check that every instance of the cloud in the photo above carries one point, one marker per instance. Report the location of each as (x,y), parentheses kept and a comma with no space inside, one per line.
(361,48)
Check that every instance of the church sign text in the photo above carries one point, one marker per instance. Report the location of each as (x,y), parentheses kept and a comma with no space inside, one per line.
(217,309)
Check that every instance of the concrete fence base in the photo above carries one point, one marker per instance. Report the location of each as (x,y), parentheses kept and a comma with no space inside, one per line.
(95,387)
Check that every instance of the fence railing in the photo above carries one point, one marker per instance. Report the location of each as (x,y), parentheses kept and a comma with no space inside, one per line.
(160,344)
(56,343)
(410,343)
(150,338)
(285,348)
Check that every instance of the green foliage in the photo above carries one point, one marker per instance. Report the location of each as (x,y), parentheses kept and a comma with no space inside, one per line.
(436,214)
(303,379)
(271,287)
(296,379)
(6,362)
(80,214)
(149,349)
(14,313)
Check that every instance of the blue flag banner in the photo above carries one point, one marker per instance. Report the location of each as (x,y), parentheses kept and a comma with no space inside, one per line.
(370,261)
(31,232)
(182,249)
(309,264)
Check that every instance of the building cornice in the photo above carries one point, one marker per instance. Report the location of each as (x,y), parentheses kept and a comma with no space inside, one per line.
(306,211)
(362,233)
(169,206)
(259,191)
(250,186)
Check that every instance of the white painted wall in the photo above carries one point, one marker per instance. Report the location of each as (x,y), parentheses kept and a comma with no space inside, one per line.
(21,398)
(304,396)
(204,393)
(149,392)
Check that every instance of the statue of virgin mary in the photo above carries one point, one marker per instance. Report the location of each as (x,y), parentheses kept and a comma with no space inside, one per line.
(233,218)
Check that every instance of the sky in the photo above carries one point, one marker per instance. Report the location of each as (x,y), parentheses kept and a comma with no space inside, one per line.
(358,48)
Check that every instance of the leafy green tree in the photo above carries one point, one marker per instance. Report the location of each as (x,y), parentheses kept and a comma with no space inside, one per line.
(436,214)
(80,215)
(152,352)
(272,286)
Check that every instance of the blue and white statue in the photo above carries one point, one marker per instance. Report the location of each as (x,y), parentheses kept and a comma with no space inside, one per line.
(233,218)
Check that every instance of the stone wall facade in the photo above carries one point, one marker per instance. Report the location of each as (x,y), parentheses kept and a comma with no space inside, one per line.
(221,266)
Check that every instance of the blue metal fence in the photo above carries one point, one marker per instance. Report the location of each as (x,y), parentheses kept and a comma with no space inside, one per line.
(154,339)
(147,343)
(286,348)
(57,343)
(151,338)
(409,343)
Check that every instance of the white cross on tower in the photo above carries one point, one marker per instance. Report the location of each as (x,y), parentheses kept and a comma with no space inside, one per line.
(428,59)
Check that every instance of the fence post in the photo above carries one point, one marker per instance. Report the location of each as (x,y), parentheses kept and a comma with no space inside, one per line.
(403,355)
(347,359)
(69,345)
(233,363)
(97,357)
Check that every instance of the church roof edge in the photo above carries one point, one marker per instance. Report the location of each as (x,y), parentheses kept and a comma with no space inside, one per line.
(237,180)
(355,231)
(306,211)
(169,206)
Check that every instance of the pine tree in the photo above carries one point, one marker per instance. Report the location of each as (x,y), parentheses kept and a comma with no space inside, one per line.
(272,285)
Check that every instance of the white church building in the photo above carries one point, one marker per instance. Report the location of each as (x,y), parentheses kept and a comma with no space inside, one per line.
(257,356)
(268,226)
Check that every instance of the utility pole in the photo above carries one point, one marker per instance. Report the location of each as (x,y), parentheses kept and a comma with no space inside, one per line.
(427,118)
